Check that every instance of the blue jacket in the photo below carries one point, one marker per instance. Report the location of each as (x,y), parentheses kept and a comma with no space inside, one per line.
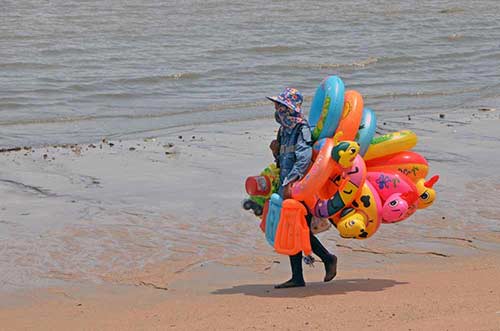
(295,153)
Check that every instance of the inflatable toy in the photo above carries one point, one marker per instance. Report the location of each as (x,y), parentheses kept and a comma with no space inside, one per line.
(264,216)
(333,158)
(346,188)
(351,115)
(273,217)
(317,175)
(326,108)
(292,235)
(363,218)
(356,184)
(426,194)
(409,163)
(317,146)
(391,143)
(366,131)
(260,188)
(397,192)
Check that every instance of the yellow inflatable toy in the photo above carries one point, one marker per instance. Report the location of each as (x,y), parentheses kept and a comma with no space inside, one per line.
(391,143)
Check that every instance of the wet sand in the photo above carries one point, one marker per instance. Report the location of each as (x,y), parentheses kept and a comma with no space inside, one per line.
(149,234)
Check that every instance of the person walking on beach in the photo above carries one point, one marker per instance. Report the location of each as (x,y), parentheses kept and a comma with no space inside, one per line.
(293,151)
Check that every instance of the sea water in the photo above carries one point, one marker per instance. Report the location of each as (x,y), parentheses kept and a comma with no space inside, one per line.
(78,71)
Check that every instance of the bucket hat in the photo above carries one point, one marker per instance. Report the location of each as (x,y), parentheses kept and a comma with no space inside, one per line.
(290,97)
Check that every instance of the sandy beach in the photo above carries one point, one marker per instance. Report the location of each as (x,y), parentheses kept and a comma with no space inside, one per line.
(149,234)
(429,295)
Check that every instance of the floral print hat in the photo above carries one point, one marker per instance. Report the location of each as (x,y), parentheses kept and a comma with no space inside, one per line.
(290,98)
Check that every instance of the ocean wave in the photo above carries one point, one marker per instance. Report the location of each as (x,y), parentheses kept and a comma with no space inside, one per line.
(412,59)
(29,65)
(65,51)
(106,95)
(12,105)
(494,55)
(452,10)
(357,64)
(157,79)
(424,94)
(82,118)
(18,37)
(270,49)
(264,50)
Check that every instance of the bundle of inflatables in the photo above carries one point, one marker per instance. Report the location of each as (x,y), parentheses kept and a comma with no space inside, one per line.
(356,181)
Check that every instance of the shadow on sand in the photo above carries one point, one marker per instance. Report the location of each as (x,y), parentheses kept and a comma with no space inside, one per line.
(340,286)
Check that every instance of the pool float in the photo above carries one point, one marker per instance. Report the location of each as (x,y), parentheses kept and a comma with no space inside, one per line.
(356,183)
(351,115)
(366,130)
(341,190)
(425,191)
(326,108)
(317,146)
(398,194)
(409,163)
(391,143)
(260,188)
(262,224)
(333,158)
(273,217)
(363,218)
(292,234)
(317,174)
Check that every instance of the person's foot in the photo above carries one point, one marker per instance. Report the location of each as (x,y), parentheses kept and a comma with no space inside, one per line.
(330,269)
(291,283)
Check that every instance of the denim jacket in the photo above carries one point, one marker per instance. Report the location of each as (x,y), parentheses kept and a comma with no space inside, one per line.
(295,153)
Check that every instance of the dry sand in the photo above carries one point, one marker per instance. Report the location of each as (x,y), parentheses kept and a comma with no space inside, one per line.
(149,235)
(459,294)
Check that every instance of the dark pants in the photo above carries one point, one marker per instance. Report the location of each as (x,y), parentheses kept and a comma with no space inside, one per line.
(317,248)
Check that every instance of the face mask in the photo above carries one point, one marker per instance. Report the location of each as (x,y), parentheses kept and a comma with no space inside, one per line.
(284,119)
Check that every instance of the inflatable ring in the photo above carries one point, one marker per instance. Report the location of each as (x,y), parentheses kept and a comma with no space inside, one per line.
(351,115)
(326,108)
(409,163)
(391,143)
(317,174)
(366,130)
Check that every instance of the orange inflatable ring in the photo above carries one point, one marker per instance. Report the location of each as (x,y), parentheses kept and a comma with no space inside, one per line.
(351,115)
(317,175)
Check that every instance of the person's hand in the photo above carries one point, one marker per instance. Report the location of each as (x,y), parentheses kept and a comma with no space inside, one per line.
(287,191)
(275,147)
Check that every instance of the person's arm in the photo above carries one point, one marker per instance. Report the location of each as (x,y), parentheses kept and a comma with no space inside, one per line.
(275,148)
(303,154)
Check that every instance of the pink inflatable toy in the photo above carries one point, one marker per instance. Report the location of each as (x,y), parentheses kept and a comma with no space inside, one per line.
(397,192)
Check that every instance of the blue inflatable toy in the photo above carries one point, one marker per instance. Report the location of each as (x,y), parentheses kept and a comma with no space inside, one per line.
(273,217)
(326,107)
(366,130)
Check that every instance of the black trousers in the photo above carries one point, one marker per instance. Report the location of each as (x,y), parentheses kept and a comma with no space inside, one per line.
(317,248)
